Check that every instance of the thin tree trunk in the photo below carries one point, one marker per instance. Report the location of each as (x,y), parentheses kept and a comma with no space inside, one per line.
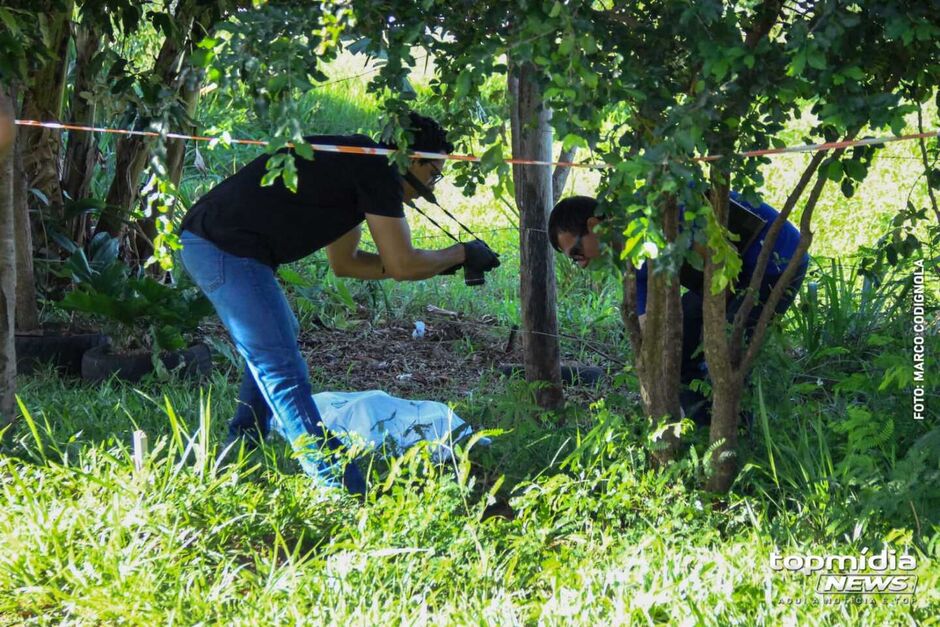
(130,158)
(726,406)
(532,139)
(658,360)
(132,152)
(729,359)
(175,154)
(42,100)
(27,306)
(82,148)
(7,264)
(176,148)
(726,381)
(560,175)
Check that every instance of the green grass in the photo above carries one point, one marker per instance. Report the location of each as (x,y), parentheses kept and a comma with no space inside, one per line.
(833,465)
(597,536)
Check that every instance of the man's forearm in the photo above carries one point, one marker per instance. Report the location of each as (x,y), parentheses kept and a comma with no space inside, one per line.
(363,265)
(421,264)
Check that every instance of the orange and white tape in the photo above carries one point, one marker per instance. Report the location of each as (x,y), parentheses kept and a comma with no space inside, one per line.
(362,150)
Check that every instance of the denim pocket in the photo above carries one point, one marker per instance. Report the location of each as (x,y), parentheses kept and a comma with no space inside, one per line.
(204,262)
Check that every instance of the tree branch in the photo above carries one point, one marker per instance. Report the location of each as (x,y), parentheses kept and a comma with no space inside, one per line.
(806,238)
(769,14)
(926,161)
(753,288)
(560,175)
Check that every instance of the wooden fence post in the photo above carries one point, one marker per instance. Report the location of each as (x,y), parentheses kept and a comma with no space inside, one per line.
(532,139)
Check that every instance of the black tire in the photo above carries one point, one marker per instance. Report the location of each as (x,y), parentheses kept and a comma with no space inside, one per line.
(100,363)
(570,375)
(62,350)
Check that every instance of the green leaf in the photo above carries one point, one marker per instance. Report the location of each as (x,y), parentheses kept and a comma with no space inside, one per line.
(201,57)
(491,158)
(854,72)
(276,84)
(462,87)
(816,59)
(855,169)
(799,62)
(168,338)
(556,9)
(848,189)
(292,277)
(572,140)
(304,150)
(207,43)
(290,175)
(6,16)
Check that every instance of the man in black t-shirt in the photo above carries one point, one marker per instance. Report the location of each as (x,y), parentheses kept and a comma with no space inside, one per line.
(236,235)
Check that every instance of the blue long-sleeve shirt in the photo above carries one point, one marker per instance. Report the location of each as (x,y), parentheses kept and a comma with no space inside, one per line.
(784,249)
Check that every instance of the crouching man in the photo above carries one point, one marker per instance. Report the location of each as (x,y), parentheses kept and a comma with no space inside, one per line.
(236,236)
(571,231)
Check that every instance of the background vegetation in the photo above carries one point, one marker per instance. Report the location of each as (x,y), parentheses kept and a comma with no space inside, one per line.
(562,518)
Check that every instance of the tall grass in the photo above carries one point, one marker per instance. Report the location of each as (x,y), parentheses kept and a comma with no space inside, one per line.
(597,536)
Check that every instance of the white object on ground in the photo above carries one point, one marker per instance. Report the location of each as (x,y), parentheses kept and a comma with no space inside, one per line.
(419,330)
(397,423)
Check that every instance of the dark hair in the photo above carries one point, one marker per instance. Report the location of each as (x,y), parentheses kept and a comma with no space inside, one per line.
(427,134)
(571,215)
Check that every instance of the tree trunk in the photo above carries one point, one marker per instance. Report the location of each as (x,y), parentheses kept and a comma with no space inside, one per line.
(726,407)
(658,360)
(133,152)
(82,148)
(7,265)
(27,307)
(130,158)
(532,139)
(175,154)
(42,100)
(726,381)
(560,176)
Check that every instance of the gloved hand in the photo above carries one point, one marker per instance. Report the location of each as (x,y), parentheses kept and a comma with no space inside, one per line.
(353,480)
(480,258)
(351,476)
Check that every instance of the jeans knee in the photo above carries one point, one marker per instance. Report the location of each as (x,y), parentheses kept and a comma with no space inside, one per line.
(273,365)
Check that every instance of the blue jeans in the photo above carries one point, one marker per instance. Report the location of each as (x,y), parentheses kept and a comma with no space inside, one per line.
(276,382)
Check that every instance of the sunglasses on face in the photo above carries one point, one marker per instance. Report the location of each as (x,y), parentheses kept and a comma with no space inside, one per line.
(436,175)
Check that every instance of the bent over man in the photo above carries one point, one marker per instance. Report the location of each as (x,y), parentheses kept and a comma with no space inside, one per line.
(236,236)
(571,231)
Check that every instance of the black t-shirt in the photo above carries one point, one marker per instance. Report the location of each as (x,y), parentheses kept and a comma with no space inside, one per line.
(274,225)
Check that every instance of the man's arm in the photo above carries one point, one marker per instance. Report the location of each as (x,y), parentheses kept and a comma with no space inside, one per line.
(347,260)
(403,262)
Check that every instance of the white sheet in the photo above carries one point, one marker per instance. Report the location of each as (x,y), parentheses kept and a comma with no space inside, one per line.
(395,423)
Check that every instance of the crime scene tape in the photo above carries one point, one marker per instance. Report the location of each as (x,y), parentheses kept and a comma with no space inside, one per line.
(363,150)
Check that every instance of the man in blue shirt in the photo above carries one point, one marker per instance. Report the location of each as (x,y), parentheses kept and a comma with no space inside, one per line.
(571,231)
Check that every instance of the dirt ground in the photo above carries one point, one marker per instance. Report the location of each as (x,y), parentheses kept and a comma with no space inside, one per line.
(447,362)
(455,354)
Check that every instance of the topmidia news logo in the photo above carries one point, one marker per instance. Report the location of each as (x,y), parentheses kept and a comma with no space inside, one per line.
(880,573)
